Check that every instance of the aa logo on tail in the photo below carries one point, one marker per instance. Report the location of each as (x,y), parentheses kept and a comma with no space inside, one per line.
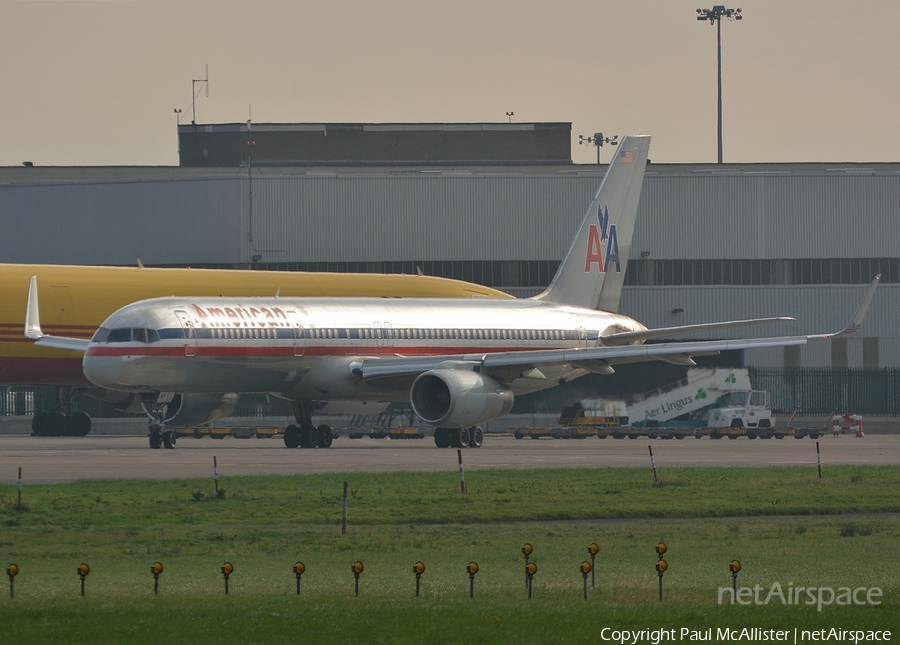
(602,234)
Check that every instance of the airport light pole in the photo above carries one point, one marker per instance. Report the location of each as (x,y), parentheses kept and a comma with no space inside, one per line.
(714,16)
(597,140)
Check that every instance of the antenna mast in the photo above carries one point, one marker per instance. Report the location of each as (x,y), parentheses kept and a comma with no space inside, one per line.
(202,81)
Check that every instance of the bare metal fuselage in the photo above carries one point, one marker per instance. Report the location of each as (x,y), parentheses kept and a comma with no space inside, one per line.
(306,349)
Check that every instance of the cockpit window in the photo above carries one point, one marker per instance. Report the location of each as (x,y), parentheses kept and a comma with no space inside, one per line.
(139,335)
(119,336)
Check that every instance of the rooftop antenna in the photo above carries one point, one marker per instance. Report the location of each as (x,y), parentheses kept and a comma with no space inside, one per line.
(203,81)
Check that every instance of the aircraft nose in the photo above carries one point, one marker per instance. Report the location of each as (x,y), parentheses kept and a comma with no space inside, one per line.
(102,371)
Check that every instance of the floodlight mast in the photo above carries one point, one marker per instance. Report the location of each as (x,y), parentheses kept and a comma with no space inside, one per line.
(597,140)
(714,16)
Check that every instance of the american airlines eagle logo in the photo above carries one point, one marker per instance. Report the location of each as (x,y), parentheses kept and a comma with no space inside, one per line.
(602,235)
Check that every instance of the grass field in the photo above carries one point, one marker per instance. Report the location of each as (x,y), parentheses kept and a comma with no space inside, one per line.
(781,523)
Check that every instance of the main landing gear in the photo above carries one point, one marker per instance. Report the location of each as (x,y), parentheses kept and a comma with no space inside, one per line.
(459,437)
(308,436)
(62,421)
(57,423)
(305,434)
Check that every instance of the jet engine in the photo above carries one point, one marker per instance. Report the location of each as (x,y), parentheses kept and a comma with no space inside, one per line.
(192,409)
(457,398)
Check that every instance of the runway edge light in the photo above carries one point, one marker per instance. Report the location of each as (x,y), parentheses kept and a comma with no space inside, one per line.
(299,569)
(83,570)
(472,569)
(12,571)
(585,569)
(357,568)
(593,549)
(227,570)
(418,569)
(156,568)
(734,566)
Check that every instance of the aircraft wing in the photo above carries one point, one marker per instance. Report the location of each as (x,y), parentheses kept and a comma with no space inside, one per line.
(594,357)
(623,338)
(33,326)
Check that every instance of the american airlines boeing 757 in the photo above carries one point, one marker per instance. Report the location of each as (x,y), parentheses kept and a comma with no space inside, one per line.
(459,362)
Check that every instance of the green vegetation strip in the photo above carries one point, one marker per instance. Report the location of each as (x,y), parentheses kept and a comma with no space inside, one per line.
(783,525)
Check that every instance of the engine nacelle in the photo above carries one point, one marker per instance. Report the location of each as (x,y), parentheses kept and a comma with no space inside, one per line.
(192,410)
(458,398)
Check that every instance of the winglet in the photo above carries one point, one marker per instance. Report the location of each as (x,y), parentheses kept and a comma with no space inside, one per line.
(858,317)
(32,315)
(33,326)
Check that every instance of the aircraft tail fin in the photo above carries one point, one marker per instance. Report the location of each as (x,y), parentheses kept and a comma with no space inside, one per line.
(593,271)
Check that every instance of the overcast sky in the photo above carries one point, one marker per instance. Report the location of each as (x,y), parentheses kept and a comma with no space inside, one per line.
(96,82)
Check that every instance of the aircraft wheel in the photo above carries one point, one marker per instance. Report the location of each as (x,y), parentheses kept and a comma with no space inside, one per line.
(78,425)
(441,438)
(39,424)
(477,437)
(308,436)
(324,436)
(55,424)
(292,437)
(155,439)
(461,438)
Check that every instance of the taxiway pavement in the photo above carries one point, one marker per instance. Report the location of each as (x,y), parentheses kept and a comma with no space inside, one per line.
(64,459)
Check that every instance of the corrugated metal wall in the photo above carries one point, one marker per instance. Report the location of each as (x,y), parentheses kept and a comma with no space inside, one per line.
(446,216)
(160,222)
(769,216)
(370,219)
(818,309)
(414,216)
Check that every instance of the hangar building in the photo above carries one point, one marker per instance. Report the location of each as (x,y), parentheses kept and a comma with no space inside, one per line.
(490,203)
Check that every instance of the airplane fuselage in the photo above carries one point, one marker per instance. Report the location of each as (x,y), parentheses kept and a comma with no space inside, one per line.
(306,348)
(76,299)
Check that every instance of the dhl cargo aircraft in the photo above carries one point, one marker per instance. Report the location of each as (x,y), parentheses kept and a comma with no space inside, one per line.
(76,299)
(460,362)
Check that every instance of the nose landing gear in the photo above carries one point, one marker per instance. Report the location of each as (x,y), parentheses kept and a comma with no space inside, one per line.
(160,437)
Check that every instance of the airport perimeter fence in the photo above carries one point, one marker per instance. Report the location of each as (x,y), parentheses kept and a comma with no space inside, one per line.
(810,391)
(826,390)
